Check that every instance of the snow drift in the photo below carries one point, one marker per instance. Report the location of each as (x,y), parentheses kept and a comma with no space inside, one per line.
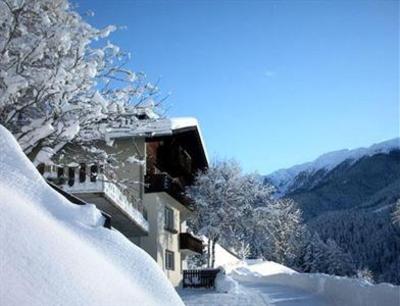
(56,253)
(339,291)
(259,268)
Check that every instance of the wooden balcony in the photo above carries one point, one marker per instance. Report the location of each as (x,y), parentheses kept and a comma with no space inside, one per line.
(190,244)
(163,182)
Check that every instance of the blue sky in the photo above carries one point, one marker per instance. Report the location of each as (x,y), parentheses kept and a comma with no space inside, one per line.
(273,83)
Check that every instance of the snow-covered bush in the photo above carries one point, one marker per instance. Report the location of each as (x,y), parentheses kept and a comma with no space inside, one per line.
(365,274)
(55,86)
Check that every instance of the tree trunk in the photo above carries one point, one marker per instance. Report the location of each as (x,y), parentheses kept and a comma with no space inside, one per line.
(214,241)
(208,253)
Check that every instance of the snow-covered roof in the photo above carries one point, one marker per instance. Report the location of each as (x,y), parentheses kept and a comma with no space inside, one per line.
(156,128)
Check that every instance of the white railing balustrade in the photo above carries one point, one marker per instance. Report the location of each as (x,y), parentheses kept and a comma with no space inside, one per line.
(82,178)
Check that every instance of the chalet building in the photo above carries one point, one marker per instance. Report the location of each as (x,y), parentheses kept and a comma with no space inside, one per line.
(159,160)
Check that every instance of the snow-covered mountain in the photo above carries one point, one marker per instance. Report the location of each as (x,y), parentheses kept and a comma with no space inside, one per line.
(288,180)
(348,196)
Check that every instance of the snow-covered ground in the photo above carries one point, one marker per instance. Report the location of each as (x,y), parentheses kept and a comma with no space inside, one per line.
(268,283)
(56,253)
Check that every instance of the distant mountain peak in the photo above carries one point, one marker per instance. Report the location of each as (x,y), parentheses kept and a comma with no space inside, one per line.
(284,178)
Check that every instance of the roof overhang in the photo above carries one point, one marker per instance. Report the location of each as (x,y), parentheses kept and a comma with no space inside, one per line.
(155,129)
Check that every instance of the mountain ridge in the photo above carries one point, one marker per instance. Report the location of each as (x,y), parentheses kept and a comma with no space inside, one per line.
(349,196)
(283,179)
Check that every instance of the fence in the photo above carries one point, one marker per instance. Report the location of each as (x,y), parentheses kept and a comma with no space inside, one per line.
(204,278)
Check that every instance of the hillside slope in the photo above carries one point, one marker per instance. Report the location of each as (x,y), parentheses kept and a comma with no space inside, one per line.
(344,180)
(349,197)
(288,179)
(352,185)
(56,253)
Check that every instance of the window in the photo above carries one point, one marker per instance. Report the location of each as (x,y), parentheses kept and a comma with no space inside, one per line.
(169,219)
(169,260)
(93,173)
(82,172)
(71,176)
(60,172)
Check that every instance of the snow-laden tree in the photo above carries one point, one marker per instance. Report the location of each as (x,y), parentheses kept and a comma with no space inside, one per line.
(338,262)
(372,240)
(314,251)
(55,86)
(325,257)
(238,211)
(278,225)
(216,197)
(396,213)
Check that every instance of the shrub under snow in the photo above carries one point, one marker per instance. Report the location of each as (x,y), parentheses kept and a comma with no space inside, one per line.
(224,283)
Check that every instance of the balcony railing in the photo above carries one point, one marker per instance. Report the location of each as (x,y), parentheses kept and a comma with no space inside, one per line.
(163,182)
(92,180)
(190,243)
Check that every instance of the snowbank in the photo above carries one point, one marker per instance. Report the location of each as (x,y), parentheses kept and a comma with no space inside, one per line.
(340,291)
(225,284)
(258,268)
(223,257)
(57,253)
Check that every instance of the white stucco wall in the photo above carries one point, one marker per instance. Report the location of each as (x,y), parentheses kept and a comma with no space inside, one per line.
(159,240)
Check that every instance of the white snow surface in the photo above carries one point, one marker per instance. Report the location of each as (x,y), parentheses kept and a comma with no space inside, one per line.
(278,284)
(56,253)
(260,268)
(271,284)
(225,284)
(223,258)
(283,178)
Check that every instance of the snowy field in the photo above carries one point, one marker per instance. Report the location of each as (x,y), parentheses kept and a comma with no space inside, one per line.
(56,253)
(267,283)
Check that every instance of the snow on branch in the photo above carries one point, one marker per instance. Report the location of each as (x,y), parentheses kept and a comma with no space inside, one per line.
(55,86)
